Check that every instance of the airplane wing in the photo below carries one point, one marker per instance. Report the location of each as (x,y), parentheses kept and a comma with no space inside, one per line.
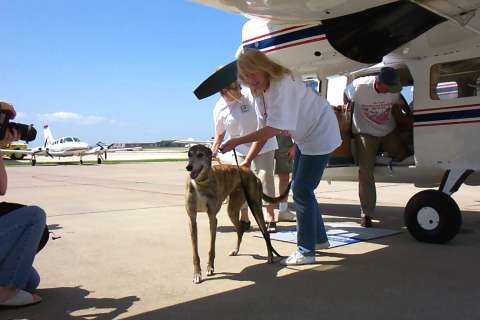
(362,31)
(103,149)
(11,151)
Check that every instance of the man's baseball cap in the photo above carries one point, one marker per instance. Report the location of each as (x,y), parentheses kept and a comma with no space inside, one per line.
(389,78)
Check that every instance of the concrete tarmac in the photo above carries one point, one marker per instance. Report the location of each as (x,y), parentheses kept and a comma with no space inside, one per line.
(125,253)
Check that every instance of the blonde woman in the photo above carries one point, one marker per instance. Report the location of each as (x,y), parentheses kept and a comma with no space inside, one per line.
(234,114)
(287,106)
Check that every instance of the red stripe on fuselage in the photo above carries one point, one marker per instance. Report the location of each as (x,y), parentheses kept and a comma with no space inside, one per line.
(272,33)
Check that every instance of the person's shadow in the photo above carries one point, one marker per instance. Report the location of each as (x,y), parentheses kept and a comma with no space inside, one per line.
(71,303)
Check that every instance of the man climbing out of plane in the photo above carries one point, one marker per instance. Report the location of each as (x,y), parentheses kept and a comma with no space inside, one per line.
(376,101)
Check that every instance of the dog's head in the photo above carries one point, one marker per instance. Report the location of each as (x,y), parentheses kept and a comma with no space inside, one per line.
(199,158)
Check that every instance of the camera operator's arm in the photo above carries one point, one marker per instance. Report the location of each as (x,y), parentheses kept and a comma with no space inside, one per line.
(10,135)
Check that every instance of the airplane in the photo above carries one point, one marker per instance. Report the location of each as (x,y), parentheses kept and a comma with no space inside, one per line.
(435,47)
(67,147)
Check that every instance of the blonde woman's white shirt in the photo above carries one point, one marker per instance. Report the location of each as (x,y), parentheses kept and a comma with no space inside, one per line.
(288,104)
(238,118)
(372,111)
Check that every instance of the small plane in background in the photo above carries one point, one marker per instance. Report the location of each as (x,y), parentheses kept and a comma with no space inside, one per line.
(67,147)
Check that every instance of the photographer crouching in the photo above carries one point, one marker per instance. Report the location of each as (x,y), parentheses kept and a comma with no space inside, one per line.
(23,230)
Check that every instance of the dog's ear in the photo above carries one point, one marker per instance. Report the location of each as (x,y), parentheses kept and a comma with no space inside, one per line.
(209,154)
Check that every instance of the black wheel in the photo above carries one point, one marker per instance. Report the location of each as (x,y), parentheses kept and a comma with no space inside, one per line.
(99,160)
(81,161)
(432,216)
(34,162)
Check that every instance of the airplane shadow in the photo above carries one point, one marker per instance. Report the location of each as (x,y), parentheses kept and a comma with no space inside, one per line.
(71,303)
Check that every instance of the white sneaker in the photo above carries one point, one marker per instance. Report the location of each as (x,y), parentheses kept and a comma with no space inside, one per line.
(287,216)
(297,258)
(323,245)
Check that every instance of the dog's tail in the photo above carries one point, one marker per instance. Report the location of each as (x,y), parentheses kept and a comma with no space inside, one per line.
(279,198)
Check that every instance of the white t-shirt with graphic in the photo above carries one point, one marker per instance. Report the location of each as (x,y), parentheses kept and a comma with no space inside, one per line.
(372,111)
(238,118)
(288,104)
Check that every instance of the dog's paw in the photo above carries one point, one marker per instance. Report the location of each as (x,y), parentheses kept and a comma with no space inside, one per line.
(233,253)
(197,278)
(210,271)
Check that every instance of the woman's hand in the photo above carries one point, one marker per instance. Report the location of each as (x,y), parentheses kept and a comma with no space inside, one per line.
(246,163)
(229,145)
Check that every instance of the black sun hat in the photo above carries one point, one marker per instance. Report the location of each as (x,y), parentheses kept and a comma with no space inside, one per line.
(220,79)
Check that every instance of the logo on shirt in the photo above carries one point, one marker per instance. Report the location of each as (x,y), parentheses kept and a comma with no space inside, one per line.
(244,108)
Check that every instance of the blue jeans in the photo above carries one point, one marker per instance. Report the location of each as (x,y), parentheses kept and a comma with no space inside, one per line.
(307,173)
(20,234)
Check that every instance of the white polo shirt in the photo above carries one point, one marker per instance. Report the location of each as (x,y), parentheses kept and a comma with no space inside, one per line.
(372,111)
(238,118)
(288,104)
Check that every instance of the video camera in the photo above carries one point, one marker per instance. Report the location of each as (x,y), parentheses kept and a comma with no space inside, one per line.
(27,132)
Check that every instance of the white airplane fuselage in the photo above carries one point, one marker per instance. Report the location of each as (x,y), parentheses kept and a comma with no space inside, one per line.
(433,44)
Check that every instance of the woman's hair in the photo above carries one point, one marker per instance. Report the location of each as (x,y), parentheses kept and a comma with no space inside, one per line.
(252,60)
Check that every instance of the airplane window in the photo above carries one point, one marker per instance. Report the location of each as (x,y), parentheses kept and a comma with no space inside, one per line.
(76,139)
(68,139)
(457,79)
(61,140)
(335,88)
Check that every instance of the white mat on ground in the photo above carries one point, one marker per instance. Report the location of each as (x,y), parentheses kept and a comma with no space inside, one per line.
(339,234)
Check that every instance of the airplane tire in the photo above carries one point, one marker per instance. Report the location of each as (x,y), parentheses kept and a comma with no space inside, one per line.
(99,161)
(34,162)
(432,216)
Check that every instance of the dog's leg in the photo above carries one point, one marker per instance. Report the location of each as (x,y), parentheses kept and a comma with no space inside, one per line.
(212,217)
(255,194)
(237,199)
(197,271)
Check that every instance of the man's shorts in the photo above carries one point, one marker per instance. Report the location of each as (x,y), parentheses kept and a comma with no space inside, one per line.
(282,164)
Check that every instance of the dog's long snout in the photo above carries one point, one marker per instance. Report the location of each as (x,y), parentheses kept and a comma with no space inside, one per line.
(189,167)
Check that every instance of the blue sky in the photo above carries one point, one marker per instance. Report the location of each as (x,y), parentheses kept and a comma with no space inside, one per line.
(113,71)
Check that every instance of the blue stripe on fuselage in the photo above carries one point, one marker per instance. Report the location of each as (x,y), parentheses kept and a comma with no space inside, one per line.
(453,115)
(287,37)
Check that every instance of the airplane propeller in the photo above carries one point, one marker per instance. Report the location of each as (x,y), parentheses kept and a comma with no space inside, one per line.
(218,80)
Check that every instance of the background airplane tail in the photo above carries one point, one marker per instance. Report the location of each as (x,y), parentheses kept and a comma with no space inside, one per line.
(47,134)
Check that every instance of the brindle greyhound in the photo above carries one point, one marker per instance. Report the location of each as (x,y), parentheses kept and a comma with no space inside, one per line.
(207,187)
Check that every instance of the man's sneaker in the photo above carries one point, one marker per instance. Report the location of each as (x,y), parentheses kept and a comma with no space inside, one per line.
(271,226)
(366,221)
(297,258)
(287,216)
(323,245)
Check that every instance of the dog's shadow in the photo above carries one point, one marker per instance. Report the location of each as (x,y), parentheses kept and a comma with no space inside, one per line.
(254,228)
(262,273)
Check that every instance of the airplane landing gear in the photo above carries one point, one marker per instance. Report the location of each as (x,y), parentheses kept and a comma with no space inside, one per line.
(99,160)
(34,162)
(432,215)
